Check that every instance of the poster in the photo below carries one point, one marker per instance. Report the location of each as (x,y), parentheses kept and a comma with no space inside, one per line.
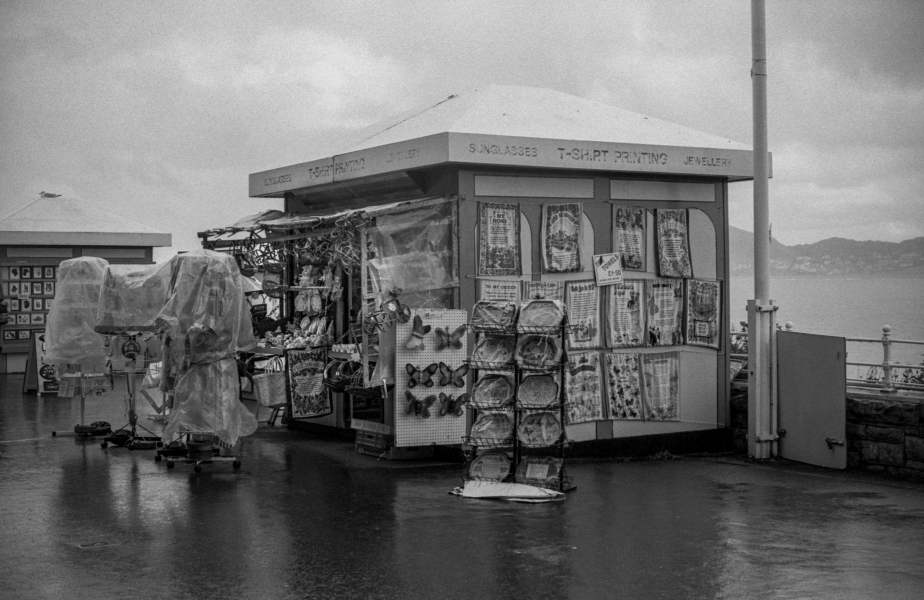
(624,386)
(673,237)
(703,304)
(492,289)
(583,315)
(499,239)
(629,229)
(561,238)
(544,290)
(664,316)
(310,397)
(583,388)
(607,269)
(625,314)
(661,375)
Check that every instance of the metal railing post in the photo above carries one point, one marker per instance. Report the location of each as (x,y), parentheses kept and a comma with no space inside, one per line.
(887,359)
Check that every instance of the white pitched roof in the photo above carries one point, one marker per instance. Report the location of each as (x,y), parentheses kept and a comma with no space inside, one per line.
(68,222)
(514,126)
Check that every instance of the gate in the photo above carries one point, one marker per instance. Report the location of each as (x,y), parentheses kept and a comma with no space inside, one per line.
(812,388)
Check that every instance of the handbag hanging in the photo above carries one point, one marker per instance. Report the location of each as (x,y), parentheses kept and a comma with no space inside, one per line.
(270,386)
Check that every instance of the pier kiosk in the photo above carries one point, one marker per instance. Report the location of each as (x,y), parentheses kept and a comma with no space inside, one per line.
(544,188)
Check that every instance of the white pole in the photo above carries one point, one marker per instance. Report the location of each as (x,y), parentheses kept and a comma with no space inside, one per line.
(761,409)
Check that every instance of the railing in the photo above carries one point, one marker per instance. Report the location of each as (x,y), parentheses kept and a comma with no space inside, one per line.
(911,378)
(893,377)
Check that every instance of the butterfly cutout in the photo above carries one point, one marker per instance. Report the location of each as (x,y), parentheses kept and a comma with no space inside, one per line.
(416,406)
(420,376)
(450,406)
(454,376)
(445,339)
(418,331)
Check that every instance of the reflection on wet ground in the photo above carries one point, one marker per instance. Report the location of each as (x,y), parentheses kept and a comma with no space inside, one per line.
(308,518)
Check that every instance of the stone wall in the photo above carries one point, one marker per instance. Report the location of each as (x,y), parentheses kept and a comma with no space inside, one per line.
(885,432)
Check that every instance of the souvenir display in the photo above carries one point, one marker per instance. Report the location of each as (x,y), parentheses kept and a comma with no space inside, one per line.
(673,239)
(661,377)
(494,314)
(624,388)
(419,406)
(455,377)
(493,427)
(629,231)
(420,376)
(539,429)
(450,405)
(419,330)
(538,351)
(703,303)
(583,315)
(544,290)
(537,391)
(561,237)
(499,239)
(583,388)
(625,314)
(492,391)
(492,464)
(446,340)
(539,470)
(494,349)
(540,314)
(664,316)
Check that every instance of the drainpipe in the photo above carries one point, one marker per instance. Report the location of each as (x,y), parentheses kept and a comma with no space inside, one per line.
(762,417)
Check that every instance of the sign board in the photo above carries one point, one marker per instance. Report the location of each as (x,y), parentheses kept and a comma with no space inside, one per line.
(607,269)
(40,377)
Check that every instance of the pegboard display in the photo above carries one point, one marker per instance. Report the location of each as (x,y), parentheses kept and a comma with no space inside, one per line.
(421,351)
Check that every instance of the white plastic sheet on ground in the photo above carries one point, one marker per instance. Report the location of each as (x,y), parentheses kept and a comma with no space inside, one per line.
(514,492)
(69,331)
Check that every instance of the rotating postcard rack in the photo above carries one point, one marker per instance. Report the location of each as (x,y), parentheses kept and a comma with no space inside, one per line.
(518,433)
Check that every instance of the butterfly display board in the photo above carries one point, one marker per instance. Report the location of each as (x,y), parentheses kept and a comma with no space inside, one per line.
(416,345)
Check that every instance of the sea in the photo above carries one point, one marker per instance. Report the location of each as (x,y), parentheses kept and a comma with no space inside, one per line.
(845,307)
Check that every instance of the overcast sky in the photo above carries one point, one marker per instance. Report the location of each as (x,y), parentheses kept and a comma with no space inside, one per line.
(158,111)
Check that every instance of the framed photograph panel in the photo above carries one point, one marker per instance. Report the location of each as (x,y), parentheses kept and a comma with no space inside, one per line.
(25,304)
(49,273)
(22,319)
(37,319)
(24,334)
(36,288)
(48,288)
(9,335)
(14,304)
(25,273)
(48,303)
(14,272)
(14,289)
(38,304)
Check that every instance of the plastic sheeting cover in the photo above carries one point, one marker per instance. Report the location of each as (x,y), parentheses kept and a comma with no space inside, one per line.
(69,331)
(131,298)
(414,249)
(205,314)
(207,400)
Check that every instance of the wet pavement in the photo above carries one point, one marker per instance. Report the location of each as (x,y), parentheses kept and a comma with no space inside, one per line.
(307,517)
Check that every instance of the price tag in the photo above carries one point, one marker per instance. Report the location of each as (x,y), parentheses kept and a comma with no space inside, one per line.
(607,269)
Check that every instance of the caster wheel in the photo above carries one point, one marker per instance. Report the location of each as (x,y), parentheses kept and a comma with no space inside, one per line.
(104,445)
(159,444)
(170,464)
(197,469)
(236,464)
(157,458)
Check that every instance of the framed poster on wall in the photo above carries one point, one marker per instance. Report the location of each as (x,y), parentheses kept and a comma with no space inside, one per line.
(703,304)
(673,238)
(629,230)
(562,236)
(499,239)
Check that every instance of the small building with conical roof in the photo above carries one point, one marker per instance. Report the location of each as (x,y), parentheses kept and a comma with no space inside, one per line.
(35,237)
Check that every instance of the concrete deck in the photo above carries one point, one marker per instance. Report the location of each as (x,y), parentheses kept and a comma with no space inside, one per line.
(307,517)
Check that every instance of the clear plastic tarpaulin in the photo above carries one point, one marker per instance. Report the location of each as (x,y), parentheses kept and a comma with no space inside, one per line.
(207,401)
(206,319)
(413,249)
(131,298)
(70,337)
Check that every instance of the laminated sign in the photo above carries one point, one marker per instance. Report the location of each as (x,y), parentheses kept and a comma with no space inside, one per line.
(607,269)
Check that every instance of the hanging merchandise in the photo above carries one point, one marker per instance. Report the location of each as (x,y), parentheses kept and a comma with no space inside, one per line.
(661,377)
(703,303)
(310,397)
(629,230)
(502,290)
(584,315)
(544,290)
(499,239)
(664,314)
(584,388)
(562,237)
(623,385)
(673,238)
(625,314)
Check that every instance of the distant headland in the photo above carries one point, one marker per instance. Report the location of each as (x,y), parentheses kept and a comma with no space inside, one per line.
(833,256)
